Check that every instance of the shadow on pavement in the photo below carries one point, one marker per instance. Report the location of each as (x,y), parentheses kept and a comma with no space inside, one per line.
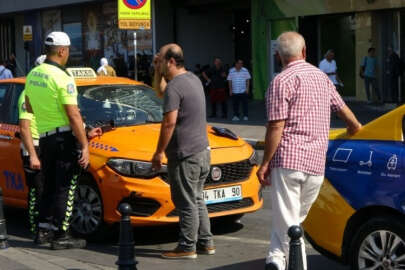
(107,243)
(315,262)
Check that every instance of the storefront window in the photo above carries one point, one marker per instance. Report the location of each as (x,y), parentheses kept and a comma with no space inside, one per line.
(119,46)
(94,33)
(74,30)
(51,21)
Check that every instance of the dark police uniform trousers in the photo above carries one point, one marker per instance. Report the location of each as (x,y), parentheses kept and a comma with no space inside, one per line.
(59,157)
(34,180)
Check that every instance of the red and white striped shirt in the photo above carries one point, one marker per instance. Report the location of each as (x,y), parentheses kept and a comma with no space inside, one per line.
(303,96)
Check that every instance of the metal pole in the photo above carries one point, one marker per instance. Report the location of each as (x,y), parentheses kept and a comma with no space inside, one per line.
(126,251)
(135,58)
(3,230)
(295,261)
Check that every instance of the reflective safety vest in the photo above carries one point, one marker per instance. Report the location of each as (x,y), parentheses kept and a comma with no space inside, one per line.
(49,87)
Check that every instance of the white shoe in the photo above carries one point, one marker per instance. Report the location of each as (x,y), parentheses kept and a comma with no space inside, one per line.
(235,118)
(245,118)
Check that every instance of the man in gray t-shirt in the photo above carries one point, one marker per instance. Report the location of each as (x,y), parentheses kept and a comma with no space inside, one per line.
(183,137)
(185,93)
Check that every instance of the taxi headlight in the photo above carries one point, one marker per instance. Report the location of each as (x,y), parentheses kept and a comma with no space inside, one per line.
(254,158)
(134,168)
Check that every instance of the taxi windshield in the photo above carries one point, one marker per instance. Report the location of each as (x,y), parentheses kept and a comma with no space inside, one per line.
(122,105)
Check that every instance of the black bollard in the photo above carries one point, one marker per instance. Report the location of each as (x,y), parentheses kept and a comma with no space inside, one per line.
(295,261)
(126,251)
(3,230)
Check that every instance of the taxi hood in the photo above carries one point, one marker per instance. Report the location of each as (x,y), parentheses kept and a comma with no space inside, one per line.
(133,140)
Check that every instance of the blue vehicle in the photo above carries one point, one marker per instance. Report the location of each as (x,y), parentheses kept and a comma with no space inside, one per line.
(359,216)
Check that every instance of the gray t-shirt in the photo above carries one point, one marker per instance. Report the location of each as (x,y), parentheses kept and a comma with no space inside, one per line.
(185,93)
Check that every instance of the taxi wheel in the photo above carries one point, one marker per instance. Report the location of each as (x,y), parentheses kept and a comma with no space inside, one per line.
(87,219)
(379,244)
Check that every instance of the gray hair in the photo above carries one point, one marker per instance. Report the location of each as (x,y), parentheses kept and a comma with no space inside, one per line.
(290,44)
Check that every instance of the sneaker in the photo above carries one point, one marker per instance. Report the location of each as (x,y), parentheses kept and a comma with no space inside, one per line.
(271,266)
(235,118)
(245,118)
(67,242)
(179,253)
(43,237)
(206,250)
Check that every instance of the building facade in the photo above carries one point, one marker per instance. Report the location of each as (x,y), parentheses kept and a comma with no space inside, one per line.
(204,28)
(349,27)
(91,25)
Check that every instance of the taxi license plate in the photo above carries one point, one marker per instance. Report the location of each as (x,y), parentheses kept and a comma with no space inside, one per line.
(219,195)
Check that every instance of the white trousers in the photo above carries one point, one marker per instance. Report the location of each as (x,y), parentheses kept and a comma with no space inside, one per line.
(292,195)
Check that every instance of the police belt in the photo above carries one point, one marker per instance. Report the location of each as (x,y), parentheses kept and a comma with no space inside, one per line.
(55,131)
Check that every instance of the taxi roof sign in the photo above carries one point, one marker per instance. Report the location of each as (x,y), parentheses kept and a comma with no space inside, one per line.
(82,73)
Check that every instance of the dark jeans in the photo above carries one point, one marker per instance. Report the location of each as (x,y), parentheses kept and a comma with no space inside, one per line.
(236,100)
(59,156)
(35,183)
(187,177)
(368,81)
(392,86)
(224,108)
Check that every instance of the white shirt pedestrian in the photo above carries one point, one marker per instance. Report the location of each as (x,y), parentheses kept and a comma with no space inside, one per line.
(329,67)
(5,73)
(238,79)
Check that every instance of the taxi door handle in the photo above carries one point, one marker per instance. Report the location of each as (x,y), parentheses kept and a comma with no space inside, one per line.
(6,137)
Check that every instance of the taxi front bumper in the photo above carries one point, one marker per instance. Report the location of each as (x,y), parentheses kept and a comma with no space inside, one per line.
(151,202)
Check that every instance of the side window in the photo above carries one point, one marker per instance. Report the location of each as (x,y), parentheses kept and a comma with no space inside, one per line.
(13,117)
(5,95)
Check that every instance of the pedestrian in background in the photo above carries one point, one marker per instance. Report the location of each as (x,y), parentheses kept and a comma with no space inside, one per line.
(299,102)
(328,65)
(239,84)
(368,73)
(51,93)
(105,69)
(5,73)
(183,138)
(216,82)
(12,64)
(392,73)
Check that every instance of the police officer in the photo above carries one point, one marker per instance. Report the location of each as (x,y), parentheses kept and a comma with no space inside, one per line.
(31,164)
(51,95)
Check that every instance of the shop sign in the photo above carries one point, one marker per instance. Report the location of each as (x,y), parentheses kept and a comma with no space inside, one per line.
(27,33)
(134,14)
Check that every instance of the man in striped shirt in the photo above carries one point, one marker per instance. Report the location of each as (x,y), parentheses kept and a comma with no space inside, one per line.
(239,84)
(299,103)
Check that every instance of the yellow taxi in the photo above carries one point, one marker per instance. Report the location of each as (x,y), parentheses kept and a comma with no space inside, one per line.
(359,216)
(129,113)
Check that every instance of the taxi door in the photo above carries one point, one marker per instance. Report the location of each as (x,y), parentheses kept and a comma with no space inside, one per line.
(12,179)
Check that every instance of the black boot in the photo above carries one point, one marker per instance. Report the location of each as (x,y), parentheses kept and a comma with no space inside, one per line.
(43,236)
(66,241)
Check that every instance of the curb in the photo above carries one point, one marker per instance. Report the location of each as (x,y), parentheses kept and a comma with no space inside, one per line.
(255,143)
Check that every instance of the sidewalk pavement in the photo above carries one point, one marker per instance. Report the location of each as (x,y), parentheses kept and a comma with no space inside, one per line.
(253,130)
(27,259)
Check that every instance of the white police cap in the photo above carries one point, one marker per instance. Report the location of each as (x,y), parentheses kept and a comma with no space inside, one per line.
(57,39)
